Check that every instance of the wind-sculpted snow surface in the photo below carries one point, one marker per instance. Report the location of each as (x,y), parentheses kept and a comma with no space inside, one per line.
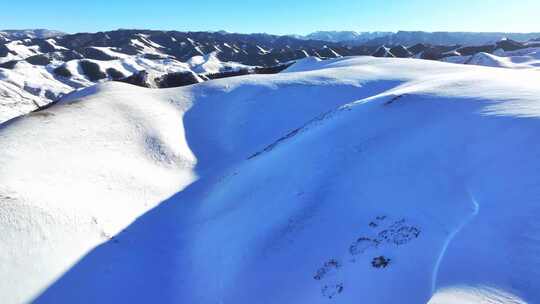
(354,180)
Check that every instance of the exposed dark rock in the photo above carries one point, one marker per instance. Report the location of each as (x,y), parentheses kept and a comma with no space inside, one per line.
(170,80)
(9,65)
(272,70)
(400,51)
(418,48)
(114,74)
(155,56)
(140,79)
(39,60)
(239,72)
(437,52)
(92,53)
(91,70)
(471,50)
(328,52)
(509,45)
(62,71)
(4,51)
(44,45)
(382,52)
(178,79)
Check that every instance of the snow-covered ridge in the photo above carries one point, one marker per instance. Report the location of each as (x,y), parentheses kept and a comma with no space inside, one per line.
(528,58)
(379,180)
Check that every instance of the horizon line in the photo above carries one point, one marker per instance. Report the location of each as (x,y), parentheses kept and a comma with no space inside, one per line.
(266,33)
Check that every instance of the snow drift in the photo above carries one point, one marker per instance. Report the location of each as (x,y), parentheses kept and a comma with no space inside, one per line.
(370,180)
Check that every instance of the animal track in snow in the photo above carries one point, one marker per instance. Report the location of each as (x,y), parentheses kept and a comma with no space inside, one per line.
(328,267)
(332,290)
(398,233)
(362,244)
(380,262)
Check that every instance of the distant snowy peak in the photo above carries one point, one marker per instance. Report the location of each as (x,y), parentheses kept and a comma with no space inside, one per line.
(334,36)
(29,34)
(440,52)
(409,38)
(344,36)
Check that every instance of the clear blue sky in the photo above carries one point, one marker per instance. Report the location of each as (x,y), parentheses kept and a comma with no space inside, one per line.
(274,16)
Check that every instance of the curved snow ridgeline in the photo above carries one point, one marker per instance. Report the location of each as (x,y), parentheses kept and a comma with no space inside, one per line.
(528,58)
(342,181)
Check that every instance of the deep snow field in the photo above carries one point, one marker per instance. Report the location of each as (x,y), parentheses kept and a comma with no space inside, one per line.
(352,180)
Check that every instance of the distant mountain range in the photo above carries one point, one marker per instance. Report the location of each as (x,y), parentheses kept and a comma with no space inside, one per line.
(344,36)
(409,38)
(251,49)
(28,34)
(448,38)
(352,38)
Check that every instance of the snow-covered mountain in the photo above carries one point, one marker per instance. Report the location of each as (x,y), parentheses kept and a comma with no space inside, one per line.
(408,38)
(37,71)
(29,34)
(344,36)
(373,180)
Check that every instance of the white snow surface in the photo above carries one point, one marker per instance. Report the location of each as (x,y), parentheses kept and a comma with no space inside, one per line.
(279,189)
(528,58)
(111,51)
(21,50)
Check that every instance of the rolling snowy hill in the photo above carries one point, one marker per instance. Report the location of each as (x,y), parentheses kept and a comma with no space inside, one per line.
(372,180)
(527,58)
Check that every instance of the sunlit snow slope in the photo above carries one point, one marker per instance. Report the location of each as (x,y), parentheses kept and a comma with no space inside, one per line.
(354,180)
(528,58)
